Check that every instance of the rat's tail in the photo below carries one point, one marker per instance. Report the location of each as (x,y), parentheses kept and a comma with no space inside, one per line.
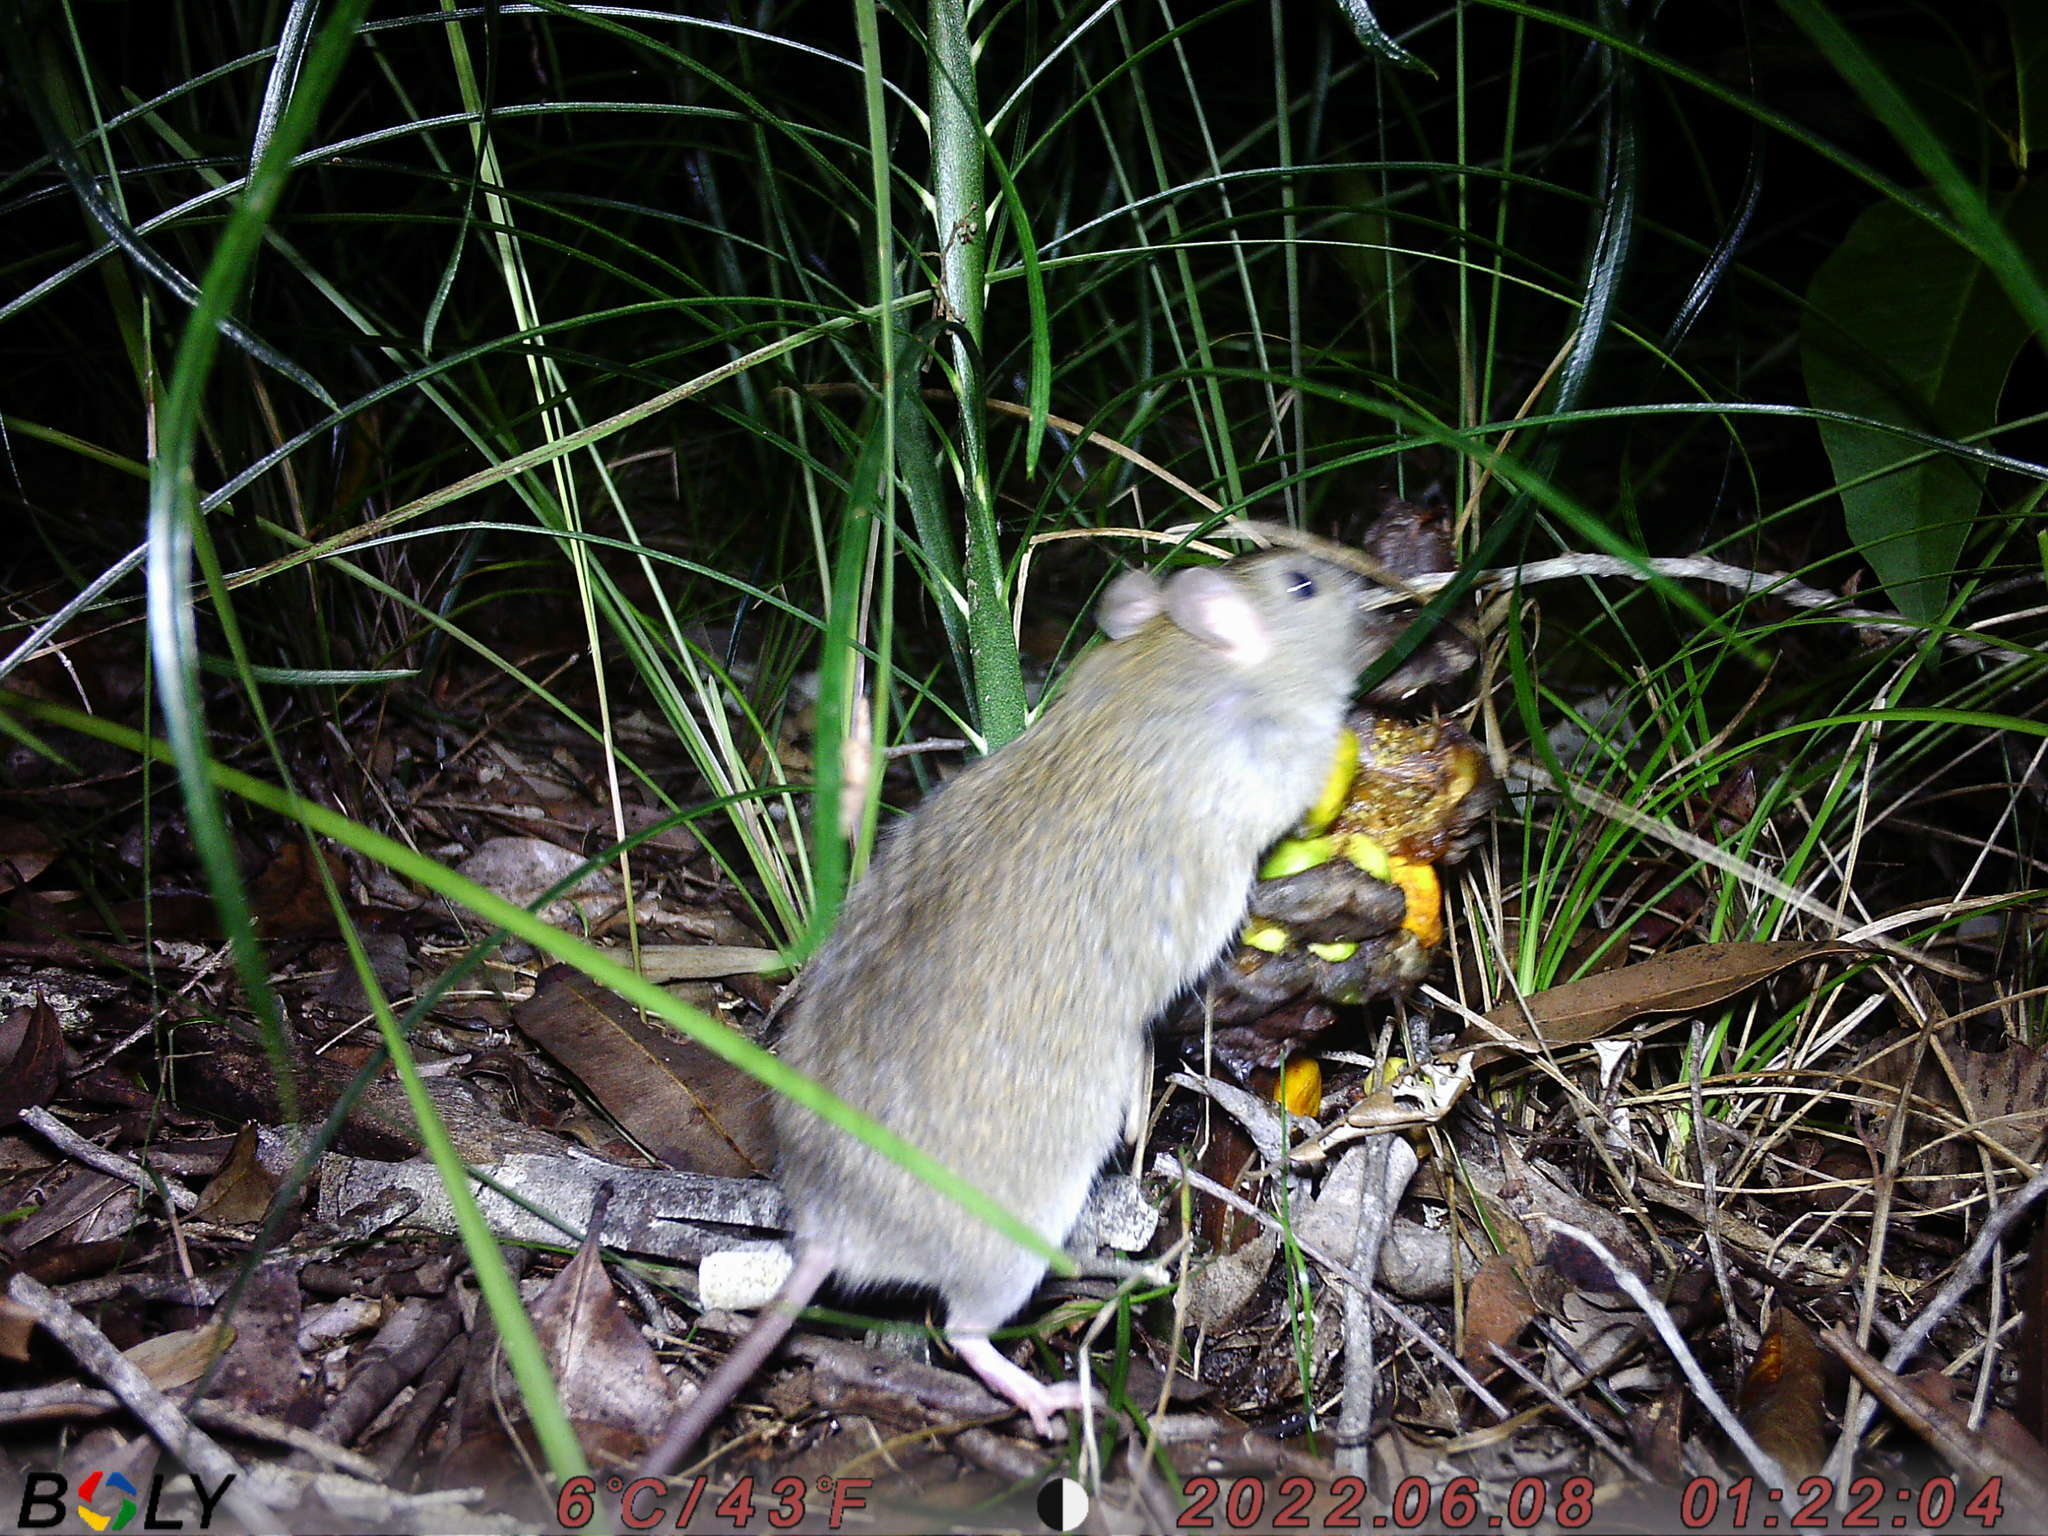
(812,1266)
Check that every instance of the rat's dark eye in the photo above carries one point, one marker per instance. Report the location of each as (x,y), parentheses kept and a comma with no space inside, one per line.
(1300,584)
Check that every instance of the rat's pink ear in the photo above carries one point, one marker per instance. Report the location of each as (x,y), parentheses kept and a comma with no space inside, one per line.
(1128,604)
(1218,611)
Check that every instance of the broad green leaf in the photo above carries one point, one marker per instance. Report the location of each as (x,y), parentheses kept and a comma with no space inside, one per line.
(1906,326)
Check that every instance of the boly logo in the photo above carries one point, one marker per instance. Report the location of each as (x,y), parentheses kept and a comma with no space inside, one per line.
(107,1501)
(89,1492)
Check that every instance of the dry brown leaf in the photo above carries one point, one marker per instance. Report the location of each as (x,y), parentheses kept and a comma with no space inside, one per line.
(2006,1094)
(240,1194)
(2003,1099)
(1218,1291)
(1681,982)
(1657,1434)
(1227,1157)
(1931,1404)
(17,1323)
(2000,1446)
(1781,1395)
(1498,1307)
(1537,1195)
(606,1371)
(289,900)
(61,1263)
(173,1360)
(26,850)
(31,1058)
(689,1108)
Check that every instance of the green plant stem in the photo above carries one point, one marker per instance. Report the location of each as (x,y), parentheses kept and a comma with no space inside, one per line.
(998,679)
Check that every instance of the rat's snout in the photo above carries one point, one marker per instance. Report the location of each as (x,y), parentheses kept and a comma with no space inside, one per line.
(1443,654)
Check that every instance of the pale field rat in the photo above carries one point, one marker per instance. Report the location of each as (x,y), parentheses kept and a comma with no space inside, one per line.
(987,990)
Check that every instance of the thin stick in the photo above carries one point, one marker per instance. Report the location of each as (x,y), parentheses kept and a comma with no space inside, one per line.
(1172,1166)
(93,1155)
(1763,1461)
(1929,1317)
(160,1416)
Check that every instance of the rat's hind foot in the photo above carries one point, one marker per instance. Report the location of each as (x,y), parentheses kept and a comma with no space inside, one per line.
(1010,1381)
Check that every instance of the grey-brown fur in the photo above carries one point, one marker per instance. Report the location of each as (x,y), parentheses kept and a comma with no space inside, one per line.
(986,992)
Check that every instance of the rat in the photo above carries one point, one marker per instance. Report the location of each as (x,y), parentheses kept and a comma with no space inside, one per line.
(987,989)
